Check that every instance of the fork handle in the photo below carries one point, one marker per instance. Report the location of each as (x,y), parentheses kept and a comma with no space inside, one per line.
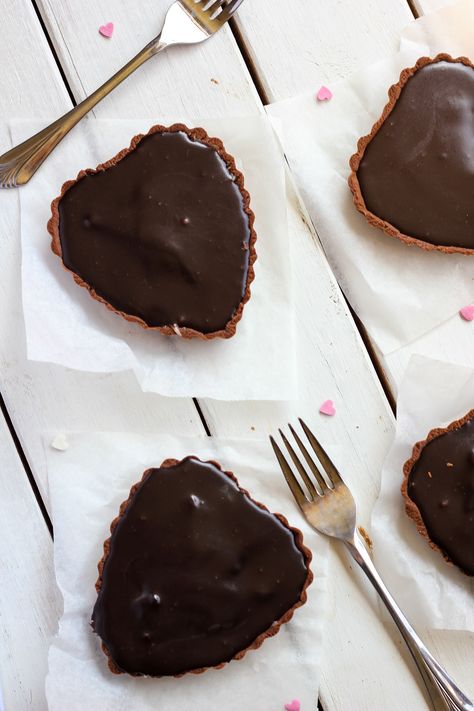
(441,688)
(21,162)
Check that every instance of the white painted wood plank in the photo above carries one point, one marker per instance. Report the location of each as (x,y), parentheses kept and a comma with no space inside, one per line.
(25,58)
(297,46)
(29,601)
(40,397)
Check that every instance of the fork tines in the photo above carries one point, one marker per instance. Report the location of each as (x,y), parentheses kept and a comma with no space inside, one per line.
(316,486)
(219,9)
(230,8)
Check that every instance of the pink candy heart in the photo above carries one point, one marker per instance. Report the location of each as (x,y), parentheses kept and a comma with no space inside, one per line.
(467,312)
(324,94)
(107,30)
(293,705)
(327,408)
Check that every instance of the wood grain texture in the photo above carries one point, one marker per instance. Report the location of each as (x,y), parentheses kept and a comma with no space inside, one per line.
(332,360)
(297,46)
(38,396)
(363,666)
(29,601)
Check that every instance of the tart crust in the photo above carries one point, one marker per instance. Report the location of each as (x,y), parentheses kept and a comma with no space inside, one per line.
(197,134)
(410,507)
(355,160)
(275,627)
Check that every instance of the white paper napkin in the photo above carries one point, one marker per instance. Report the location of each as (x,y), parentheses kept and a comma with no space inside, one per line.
(433,593)
(65,325)
(398,292)
(87,483)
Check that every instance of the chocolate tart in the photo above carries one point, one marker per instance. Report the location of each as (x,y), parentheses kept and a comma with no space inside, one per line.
(438,489)
(413,174)
(195,573)
(162,233)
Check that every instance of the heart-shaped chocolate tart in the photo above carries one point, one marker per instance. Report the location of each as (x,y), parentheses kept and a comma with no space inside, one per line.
(162,233)
(195,573)
(439,491)
(413,175)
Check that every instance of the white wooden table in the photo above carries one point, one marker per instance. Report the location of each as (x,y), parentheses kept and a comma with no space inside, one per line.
(50,56)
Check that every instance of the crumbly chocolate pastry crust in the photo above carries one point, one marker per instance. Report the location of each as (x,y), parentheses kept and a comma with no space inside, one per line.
(174,248)
(432,175)
(456,464)
(294,579)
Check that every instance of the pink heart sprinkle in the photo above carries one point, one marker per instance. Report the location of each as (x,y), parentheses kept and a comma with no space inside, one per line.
(293,705)
(467,312)
(324,94)
(327,408)
(107,30)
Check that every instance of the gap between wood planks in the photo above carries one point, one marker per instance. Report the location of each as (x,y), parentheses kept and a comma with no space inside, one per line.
(253,71)
(414,11)
(54,53)
(26,465)
(3,408)
(265,100)
(74,102)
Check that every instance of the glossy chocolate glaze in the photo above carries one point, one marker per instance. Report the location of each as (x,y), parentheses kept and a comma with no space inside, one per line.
(417,172)
(441,483)
(196,571)
(162,235)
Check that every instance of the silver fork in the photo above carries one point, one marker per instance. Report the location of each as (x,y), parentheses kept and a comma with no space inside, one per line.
(186,22)
(329,507)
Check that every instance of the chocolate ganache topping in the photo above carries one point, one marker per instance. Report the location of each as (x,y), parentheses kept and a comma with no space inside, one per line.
(194,573)
(162,233)
(441,484)
(416,170)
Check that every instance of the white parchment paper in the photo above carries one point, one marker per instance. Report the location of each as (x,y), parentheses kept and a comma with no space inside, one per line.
(87,483)
(433,593)
(399,292)
(65,325)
